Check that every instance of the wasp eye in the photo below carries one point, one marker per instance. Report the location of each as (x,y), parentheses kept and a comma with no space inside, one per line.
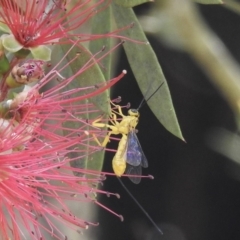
(133,112)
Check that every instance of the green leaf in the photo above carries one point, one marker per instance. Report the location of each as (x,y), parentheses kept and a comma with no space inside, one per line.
(93,76)
(131,3)
(80,163)
(90,77)
(103,17)
(209,1)
(10,43)
(147,70)
(41,53)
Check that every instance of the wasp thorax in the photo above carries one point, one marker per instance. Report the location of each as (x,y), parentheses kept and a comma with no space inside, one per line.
(133,112)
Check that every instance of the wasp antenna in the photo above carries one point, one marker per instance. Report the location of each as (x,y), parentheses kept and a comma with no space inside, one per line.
(140,105)
(140,206)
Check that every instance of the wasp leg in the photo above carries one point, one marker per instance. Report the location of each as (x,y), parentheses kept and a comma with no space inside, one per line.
(114,120)
(118,111)
(105,141)
(98,123)
(113,130)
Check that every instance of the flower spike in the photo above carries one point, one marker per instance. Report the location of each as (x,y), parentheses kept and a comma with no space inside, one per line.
(42,133)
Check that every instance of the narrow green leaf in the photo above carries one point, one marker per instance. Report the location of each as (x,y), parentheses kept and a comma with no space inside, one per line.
(57,54)
(92,76)
(147,70)
(209,1)
(131,3)
(105,18)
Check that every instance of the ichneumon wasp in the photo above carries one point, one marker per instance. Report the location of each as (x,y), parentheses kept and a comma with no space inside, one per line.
(129,158)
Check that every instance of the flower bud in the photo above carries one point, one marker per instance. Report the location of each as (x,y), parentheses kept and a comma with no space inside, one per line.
(26,73)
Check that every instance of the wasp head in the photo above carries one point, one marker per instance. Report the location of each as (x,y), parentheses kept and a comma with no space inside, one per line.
(133,112)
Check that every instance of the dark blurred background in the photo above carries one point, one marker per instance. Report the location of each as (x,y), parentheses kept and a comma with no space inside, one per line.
(194,195)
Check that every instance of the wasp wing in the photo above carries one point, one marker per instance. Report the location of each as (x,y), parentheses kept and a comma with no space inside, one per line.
(135,155)
(135,171)
(135,158)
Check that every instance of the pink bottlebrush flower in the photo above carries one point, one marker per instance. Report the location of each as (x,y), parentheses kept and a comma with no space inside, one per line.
(41,135)
(33,24)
